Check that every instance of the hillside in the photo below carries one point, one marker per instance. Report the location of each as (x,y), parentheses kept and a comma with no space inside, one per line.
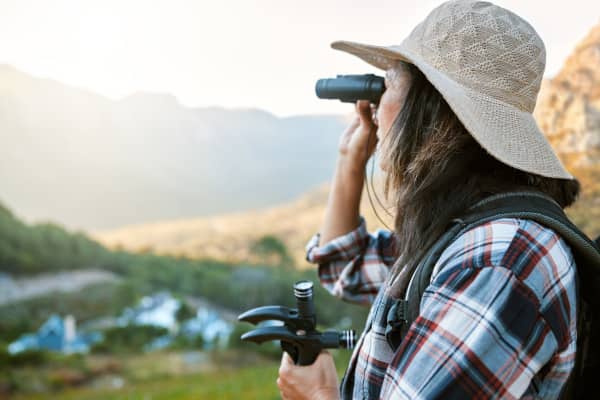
(232,237)
(73,156)
(40,254)
(568,108)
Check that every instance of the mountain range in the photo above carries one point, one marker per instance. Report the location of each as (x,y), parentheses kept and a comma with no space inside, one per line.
(89,162)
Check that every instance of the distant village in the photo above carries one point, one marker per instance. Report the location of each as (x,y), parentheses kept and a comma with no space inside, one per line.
(60,333)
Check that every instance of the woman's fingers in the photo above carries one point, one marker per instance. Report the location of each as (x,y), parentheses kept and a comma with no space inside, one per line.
(286,360)
(364,111)
(364,138)
(359,140)
(308,381)
(374,114)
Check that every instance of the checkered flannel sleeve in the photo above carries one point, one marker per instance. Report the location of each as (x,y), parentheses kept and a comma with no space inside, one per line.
(499,314)
(354,266)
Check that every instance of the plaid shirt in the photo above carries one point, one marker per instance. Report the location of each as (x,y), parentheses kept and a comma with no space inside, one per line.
(498,319)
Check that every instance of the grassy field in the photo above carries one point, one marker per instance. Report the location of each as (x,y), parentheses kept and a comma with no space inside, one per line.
(246,383)
(156,376)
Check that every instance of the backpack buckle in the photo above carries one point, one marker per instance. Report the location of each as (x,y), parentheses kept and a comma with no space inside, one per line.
(396,320)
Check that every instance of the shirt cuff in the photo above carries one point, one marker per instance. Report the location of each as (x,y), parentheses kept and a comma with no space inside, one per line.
(344,247)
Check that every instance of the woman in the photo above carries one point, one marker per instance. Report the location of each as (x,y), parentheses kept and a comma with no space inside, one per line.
(454,126)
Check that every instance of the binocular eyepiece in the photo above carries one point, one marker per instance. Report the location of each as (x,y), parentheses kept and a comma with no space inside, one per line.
(298,335)
(350,88)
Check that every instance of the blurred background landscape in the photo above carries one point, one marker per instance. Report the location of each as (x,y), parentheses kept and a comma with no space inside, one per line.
(135,228)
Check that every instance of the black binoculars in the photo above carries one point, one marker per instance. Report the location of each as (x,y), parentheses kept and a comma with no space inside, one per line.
(350,88)
(298,335)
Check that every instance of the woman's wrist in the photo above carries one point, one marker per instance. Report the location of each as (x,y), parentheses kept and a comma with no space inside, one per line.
(351,168)
(331,393)
(348,184)
(343,203)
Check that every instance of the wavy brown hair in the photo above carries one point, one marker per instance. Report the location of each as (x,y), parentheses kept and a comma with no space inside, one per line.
(436,170)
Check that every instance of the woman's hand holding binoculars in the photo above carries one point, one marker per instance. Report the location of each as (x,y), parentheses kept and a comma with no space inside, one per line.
(357,144)
(359,140)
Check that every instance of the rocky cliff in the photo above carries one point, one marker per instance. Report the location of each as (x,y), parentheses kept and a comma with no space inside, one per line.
(568,108)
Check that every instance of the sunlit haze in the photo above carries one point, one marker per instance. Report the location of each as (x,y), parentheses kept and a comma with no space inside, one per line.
(261,54)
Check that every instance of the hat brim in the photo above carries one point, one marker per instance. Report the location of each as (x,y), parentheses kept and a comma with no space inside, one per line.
(506,132)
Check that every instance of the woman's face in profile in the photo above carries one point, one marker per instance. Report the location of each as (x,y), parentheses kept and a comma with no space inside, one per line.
(397,83)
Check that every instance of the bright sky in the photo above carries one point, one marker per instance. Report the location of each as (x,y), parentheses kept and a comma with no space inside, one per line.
(266,54)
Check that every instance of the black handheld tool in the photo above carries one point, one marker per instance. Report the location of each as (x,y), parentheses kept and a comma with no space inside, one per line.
(298,335)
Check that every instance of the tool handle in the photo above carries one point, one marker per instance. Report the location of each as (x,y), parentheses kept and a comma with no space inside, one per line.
(291,350)
(307,355)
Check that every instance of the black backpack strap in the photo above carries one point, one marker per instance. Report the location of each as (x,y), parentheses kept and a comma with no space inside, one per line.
(545,211)
(523,205)
(403,312)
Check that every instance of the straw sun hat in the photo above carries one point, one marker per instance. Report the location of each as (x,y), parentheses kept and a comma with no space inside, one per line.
(487,63)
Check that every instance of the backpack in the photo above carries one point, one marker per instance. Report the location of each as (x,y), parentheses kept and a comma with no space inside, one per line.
(545,211)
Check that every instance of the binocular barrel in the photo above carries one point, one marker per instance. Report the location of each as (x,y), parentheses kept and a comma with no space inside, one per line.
(351,88)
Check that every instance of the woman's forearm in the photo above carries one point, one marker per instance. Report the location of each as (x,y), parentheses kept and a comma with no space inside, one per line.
(343,204)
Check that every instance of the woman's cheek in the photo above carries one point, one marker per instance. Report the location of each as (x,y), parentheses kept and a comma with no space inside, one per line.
(383,166)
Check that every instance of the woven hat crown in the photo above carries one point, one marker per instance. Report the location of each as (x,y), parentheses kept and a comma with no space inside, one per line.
(483,47)
(488,64)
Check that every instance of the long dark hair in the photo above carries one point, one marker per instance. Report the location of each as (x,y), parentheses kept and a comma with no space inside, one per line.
(436,170)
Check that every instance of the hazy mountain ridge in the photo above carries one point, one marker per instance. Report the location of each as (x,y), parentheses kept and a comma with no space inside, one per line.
(146,157)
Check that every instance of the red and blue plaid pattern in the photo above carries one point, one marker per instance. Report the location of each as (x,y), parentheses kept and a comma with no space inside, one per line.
(498,319)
